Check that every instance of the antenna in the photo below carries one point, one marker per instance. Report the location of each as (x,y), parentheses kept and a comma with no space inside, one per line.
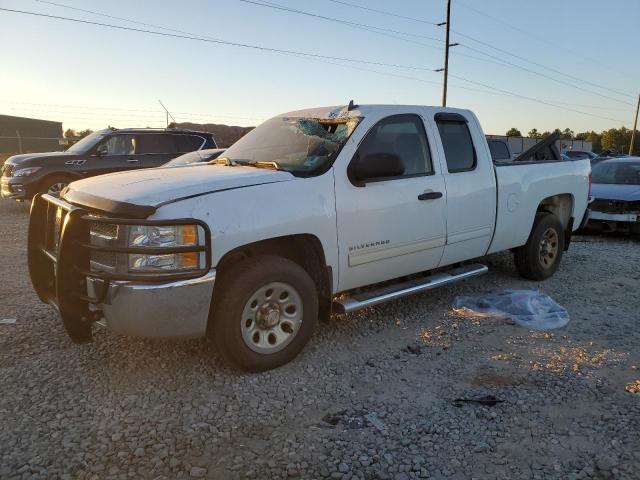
(168,114)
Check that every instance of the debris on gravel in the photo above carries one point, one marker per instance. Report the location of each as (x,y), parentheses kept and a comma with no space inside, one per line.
(633,387)
(371,396)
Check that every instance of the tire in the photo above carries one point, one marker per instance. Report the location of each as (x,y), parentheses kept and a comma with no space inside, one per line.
(256,323)
(54,185)
(540,257)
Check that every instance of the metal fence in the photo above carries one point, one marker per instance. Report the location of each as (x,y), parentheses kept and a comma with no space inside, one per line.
(19,144)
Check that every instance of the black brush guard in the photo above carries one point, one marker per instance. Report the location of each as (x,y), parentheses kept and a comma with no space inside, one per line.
(59,267)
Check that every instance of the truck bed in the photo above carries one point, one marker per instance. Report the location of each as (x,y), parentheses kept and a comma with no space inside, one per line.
(523,186)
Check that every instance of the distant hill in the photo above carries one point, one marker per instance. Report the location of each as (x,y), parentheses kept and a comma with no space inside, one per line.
(225,135)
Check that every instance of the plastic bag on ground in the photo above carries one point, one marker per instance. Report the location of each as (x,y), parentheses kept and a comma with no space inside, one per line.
(528,308)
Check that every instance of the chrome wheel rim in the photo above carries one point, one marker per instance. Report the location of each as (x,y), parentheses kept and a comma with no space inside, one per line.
(55,189)
(271,318)
(548,249)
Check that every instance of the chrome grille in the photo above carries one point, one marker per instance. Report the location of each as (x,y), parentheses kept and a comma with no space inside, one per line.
(104,234)
(103,259)
(105,230)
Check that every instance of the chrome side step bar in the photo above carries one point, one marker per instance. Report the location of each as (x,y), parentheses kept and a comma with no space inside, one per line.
(391,292)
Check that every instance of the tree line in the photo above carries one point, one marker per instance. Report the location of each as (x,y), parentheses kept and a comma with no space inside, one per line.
(614,139)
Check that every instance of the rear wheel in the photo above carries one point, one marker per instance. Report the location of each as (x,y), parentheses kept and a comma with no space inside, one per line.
(265,309)
(540,257)
(54,185)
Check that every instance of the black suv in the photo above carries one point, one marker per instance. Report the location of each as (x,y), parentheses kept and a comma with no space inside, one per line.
(105,151)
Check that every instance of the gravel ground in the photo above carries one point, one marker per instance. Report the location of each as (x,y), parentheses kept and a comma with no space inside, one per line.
(372,395)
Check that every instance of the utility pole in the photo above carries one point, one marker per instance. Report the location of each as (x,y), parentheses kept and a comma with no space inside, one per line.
(635,125)
(167,113)
(446,54)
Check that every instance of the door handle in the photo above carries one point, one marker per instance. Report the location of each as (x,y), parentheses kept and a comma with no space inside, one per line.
(133,160)
(429,195)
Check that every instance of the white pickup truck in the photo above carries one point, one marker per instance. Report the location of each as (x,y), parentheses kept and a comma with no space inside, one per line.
(314,211)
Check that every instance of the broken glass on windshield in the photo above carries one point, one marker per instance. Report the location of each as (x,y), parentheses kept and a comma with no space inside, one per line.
(295,144)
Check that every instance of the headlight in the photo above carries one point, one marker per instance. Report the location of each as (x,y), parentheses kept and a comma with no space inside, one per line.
(165,236)
(25,172)
(151,248)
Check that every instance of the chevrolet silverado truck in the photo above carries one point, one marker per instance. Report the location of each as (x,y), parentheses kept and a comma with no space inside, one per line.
(313,212)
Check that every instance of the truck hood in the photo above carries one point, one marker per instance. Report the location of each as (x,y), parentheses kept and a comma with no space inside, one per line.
(35,159)
(139,193)
(605,191)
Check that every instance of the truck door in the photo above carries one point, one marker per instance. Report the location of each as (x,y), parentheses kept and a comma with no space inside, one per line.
(470,184)
(389,227)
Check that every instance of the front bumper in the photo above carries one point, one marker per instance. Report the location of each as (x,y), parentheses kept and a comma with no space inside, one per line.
(167,310)
(13,188)
(615,217)
(59,259)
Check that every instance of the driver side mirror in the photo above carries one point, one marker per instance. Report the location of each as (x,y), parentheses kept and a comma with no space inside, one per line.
(375,166)
(102,150)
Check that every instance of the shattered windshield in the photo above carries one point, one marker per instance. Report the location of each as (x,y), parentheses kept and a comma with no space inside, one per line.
(294,144)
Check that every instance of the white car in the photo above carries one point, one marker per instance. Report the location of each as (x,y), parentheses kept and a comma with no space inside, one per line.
(315,211)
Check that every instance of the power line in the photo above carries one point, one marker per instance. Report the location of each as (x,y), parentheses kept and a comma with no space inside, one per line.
(336,20)
(512,94)
(537,100)
(492,91)
(383,12)
(62,5)
(389,33)
(96,107)
(213,40)
(391,14)
(369,28)
(549,77)
(506,52)
(540,39)
(499,61)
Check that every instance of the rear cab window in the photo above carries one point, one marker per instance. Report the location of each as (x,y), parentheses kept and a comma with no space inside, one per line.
(499,151)
(456,140)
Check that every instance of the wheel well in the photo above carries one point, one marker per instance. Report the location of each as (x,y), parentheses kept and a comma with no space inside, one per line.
(304,249)
(68,176)
(560,205)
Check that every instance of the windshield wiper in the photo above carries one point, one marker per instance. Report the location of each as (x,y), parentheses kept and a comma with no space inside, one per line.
(246,163)
(223,161)
(258,164)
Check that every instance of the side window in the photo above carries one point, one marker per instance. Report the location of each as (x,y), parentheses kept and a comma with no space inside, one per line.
(121,145)
(155,143)
(188,143)
(499,151)
(458,146)
(401,135)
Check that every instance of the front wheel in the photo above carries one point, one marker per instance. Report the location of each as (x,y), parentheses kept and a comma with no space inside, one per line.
(540,257)
(265,309)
